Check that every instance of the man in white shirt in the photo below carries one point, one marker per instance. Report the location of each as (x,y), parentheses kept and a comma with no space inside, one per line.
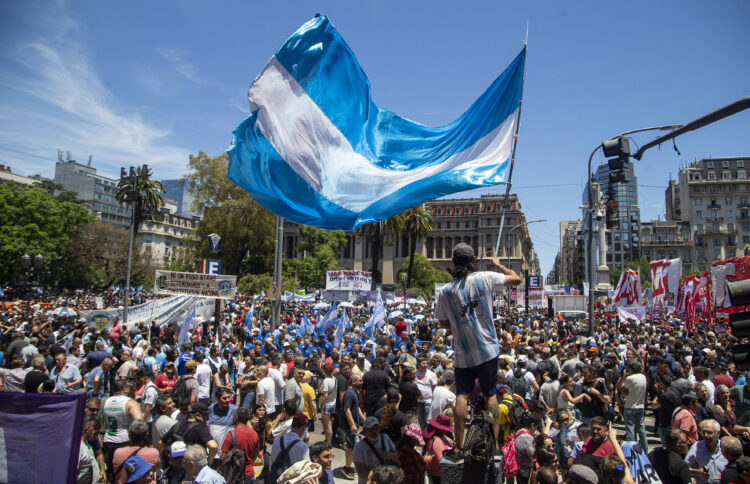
(426,381)
(278,379)
(266,390)
(444,396)
(203,376)
(633,385)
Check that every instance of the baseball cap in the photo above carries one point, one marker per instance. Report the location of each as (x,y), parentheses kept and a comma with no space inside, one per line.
(177,449)
(299,420)
(136,467)
(462,254)
(371,422)
(199,407)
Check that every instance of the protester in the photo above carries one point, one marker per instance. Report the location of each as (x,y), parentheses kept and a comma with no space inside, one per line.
(196,467)
(461,307)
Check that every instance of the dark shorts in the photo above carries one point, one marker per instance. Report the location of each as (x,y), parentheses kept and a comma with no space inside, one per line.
(486,373)
(349,439)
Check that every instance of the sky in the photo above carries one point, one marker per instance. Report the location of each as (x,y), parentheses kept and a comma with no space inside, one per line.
(153,82)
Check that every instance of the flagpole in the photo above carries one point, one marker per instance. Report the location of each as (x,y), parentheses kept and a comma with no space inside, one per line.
(509,184)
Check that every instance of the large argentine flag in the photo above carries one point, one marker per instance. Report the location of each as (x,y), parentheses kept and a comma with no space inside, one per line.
(317,151)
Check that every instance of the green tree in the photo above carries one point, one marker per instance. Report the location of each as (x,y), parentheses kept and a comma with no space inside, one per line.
(183,258)
(415,222)
(143,194)
(63,195)
(323,246)
(424,277)
(33,222)
(247,230)
(254,283)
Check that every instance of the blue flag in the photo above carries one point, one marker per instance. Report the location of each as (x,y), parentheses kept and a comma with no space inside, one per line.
(249,319)
(318,151)
(369,326)
(340,330)
(2,293)
(305,327)
(28,417)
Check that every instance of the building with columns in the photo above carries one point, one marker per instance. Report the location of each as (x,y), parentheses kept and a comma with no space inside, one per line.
(475,221)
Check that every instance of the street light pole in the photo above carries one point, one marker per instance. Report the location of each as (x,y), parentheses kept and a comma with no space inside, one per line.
(590,218)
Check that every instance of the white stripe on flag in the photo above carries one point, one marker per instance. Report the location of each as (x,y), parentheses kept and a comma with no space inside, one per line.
(297,128)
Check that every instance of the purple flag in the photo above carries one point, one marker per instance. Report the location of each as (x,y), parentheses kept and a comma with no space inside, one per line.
(40,435)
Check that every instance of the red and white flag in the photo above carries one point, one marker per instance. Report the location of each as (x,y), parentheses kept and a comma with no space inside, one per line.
(628,291)
(702,299)
(665,280)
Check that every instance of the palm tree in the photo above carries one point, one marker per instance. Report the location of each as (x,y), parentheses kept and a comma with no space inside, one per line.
(416,222)
(144,193)
(375,233)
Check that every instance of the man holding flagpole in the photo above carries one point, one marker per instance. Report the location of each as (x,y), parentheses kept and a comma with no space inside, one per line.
(464,306)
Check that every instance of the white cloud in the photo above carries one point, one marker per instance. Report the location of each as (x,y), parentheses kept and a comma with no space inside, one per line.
(176,57)
(54,98)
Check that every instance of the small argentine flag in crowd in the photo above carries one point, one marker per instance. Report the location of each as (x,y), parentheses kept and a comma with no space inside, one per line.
(316,150)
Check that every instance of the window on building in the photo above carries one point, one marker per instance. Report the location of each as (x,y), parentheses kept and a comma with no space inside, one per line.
(746,239)
(717,254)
(730,213)
(742,188)
(699,214)
(711,176)
(440,225)
(699,227)
(698,202)
(466,224)
(740,163)
(701,254)
(725,164)
(728,201)
(489,238)
(746,227)
(448,224)
(732,253)
(671,255)
(741,175)
(730,227)
(709,164)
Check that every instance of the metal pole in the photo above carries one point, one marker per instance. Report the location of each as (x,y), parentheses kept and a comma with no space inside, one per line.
(526,292)
(276,305)
(590,218)
(512,159)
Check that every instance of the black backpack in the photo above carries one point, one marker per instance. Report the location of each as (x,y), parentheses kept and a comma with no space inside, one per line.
(479,446)
(283,462)
(232,465)
(516,410)
(179,389)
(518,384)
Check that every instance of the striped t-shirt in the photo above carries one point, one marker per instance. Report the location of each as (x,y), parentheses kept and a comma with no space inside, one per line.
(467,304)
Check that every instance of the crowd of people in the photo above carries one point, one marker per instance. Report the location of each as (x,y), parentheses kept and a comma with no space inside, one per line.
(468,390)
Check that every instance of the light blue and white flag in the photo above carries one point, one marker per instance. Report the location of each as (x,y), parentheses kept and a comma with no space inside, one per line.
(2,293)
(305,327)
(379,313)
(326,321)
(316,150)
(339,337)
(189,323)
(67,341)
(249,319)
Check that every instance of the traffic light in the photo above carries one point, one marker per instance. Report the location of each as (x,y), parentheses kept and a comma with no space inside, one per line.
(617,150)
(739,295)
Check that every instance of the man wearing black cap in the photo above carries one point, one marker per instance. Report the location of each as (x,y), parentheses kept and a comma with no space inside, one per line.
(465,307)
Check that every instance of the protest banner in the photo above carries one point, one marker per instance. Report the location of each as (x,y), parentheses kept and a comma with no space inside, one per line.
(163,311)
(195,284)
(349,280)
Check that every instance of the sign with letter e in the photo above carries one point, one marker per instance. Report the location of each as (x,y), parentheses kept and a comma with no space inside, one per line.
(535,282)
(210,266)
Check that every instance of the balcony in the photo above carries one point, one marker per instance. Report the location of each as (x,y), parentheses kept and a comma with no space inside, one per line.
(719,231)
(713,206)
(714,219)
(743,205)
